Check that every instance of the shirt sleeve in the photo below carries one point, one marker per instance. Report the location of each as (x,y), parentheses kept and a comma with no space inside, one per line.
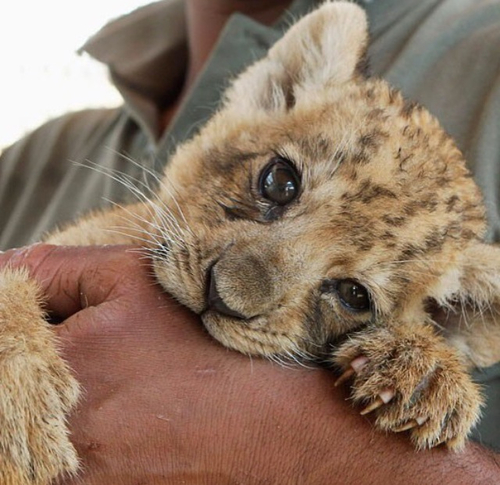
(33,171)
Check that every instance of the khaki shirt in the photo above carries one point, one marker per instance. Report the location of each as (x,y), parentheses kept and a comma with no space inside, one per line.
(442,53)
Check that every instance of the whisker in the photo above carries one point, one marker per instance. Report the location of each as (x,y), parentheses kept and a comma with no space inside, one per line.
(161,215)
(159,181)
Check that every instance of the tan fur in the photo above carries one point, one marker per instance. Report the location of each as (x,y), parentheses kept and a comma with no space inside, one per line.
(37,389)
(385,200)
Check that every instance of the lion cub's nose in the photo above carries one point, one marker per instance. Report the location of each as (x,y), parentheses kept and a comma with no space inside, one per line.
(240,283)
(215,301)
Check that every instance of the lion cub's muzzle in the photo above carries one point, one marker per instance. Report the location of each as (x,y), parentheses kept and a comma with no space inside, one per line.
(215,302)
(240,284)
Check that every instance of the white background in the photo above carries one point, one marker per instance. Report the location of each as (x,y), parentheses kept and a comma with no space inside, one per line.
(41,76)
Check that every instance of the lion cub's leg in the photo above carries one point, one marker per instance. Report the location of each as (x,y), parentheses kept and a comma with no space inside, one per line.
(36,389)
(412,380)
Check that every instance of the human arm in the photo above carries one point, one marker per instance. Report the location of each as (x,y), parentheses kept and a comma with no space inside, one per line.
(163,402)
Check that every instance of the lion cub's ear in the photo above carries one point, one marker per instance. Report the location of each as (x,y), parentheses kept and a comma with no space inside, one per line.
(470,313)
(326,47)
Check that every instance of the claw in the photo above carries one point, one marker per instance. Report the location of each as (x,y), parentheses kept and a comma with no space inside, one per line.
(383,398)
(405,427)
(386,395)
(440,442)
(359,362)
(348,373)
(421,420)
(375,404)
(355,366)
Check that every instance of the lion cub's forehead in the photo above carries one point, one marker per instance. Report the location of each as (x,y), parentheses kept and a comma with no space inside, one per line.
(378,174)
(384,179)
(371,127)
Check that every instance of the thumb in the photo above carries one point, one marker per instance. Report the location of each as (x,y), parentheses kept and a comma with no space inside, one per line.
(72,278)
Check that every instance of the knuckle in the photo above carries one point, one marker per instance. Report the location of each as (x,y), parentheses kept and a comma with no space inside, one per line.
(28,257)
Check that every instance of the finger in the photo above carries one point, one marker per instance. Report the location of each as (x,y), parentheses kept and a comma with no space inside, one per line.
(73,278)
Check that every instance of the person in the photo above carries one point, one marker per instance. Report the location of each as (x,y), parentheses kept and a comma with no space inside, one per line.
(163,404)
(171,74)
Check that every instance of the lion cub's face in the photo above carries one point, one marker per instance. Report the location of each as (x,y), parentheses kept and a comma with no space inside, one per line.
(314,204)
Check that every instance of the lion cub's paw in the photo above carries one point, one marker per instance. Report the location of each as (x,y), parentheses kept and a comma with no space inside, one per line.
(37,390)
(412,382)
(34,439)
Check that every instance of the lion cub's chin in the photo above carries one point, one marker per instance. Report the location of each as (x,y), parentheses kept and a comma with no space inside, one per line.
(248,337)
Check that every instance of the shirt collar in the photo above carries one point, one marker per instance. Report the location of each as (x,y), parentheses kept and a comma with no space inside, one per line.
(145,50)
(146,54)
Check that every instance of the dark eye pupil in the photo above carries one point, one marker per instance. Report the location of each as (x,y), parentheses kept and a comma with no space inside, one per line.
(280,182)
(353,295)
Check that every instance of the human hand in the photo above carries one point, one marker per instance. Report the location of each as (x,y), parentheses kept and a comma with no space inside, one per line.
(164,404)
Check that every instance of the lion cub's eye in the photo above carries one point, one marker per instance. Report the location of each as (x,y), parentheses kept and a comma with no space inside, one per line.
(353,295)
(279,181)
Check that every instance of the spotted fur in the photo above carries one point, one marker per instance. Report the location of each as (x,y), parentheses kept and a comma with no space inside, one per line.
(385,200)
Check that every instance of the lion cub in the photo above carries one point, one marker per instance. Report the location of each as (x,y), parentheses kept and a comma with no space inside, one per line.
(316,204)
